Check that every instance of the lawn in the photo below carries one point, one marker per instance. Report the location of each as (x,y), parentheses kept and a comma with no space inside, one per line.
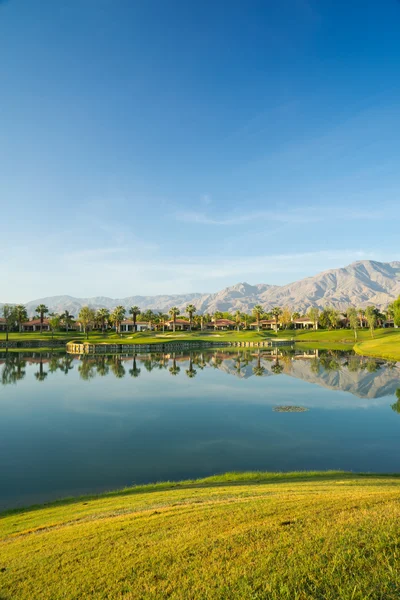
(385,343)
(388,347)
(300,536)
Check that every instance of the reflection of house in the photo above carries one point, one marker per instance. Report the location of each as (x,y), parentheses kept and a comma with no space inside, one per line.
(34,325)
(221,324)
(128,325)
(180,325)
(265,324)
(303,323)
(3,325)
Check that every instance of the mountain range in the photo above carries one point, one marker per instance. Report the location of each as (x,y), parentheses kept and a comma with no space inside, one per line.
(359,284)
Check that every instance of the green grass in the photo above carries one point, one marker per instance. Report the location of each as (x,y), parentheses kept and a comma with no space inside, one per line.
(293,536)
(385,343)
(388,347)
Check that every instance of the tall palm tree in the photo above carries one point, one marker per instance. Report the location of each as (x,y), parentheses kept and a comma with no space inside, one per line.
(238,319)
(87,317)
(134,311)
(67,319)
(41,310)
(162,319)
(118,315)
(102,316)
(361,314)
(257,312)
(174,312)
(21,315)
(217,315)
(276,313)
(190,310)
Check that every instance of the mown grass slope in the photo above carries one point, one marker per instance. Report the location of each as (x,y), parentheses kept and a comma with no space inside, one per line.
(387,347)
(247,536)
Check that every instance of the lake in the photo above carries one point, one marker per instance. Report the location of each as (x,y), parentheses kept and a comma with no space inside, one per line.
(73,425)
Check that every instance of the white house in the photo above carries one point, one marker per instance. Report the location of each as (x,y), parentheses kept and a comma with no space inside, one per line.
(128,325)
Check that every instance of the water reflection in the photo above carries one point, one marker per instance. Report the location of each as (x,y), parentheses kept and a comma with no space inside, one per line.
(363,377)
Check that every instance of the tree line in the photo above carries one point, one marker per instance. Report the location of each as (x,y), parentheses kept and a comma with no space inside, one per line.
(102,319)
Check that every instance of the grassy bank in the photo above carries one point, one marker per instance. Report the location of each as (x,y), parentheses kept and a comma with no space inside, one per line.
(303,536)
(384,347)
(385,342)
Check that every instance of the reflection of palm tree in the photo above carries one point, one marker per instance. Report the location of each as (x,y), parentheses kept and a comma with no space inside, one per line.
(148,364)
(134,372)
(190,372)
(314,365)
(86,369)
(396,405)
(13,369)
(330,363)
(117,367)
(174,370)
(277,367)
(353,364)
(41,374)
(259,369)
(102,367)
(238,361)
(372,366)
(54,363)
(66,363)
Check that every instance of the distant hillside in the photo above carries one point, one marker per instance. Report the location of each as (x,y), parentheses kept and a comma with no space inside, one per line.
(361,283)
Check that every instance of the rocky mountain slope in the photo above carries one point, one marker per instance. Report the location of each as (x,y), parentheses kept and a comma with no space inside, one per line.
(359,284)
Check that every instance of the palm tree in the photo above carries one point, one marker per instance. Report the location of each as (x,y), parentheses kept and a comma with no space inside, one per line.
(41,310)
(190,310)
(21,315)
(102,316)
(134,311)
(361,314)
(217,315)
(118,315)
(174,312)
(162,319)
(276,313)
(54,323)
(257,312)
(238,319)
(67,319)
(87,317)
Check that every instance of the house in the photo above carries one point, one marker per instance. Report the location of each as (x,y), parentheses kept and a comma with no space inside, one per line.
(3,325)
(35,324)
(265,324)
(389,323)
(127,325)
(303,323)
(180,325)
(221,324)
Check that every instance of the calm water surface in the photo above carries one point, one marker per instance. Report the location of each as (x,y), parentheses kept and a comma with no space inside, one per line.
(73,425)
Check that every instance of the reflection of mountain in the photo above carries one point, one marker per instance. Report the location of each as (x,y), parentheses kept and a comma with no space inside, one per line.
(364,378)
(362,383)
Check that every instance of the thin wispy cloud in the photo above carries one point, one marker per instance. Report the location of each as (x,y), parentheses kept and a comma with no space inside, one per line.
(310,214)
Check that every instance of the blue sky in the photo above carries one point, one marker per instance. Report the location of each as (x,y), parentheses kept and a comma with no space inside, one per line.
(171,146)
